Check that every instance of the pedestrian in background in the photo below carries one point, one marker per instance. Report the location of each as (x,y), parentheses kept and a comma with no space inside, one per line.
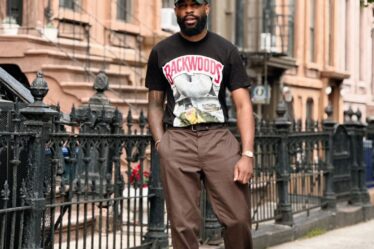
(192,69)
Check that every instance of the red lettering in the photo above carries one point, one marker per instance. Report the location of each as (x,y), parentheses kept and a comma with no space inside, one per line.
(192,62)
(212,67)
(179,64)
(185,65)
(200,64)
(168,74)
(219,68)
(206,65)
(173,68)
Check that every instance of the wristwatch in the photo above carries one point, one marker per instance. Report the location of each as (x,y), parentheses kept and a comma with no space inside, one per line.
(248,153)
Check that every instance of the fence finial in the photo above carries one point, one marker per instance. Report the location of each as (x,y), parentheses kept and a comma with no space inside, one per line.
(329,111)
(117,118)
(142,121)
(73,115)
(358,115)
(282,121)
(281,109)
(39,87)
(129,121)
(348,115)
(101,83)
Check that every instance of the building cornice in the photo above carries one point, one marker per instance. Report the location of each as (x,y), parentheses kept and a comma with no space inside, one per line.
(283,62)
(336,75)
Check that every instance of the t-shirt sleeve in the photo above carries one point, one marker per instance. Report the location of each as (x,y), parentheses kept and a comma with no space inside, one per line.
(154,79)
(238,77)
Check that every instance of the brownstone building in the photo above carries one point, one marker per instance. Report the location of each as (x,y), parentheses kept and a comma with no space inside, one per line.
(71,41)
(308,52)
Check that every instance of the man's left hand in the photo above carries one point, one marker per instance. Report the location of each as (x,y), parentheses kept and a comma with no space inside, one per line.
(243,171)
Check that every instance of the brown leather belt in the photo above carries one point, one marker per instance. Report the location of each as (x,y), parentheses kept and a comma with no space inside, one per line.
(200,127)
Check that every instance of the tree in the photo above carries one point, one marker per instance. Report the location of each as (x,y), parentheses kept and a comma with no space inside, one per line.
(366,3)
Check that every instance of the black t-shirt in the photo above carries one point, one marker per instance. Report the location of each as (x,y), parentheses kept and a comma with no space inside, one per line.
(195,76)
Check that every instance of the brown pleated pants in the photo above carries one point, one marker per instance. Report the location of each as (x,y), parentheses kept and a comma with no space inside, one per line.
(186,158)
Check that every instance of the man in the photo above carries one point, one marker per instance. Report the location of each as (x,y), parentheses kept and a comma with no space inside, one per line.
(193,69)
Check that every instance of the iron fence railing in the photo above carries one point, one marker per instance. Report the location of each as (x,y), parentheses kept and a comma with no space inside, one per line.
(307,164)
(97,196)
(13,164)
(87,183)
(263,185)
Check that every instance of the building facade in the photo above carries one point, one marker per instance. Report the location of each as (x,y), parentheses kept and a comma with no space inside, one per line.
(86,37)
(261,30)
(357,36)
(308,52)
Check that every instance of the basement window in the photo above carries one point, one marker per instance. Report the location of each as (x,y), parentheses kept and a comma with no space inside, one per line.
(70,4)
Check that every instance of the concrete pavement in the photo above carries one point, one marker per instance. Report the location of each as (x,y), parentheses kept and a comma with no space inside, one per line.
(360,236)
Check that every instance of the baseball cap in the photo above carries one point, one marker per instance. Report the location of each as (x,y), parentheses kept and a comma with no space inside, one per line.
(198,1)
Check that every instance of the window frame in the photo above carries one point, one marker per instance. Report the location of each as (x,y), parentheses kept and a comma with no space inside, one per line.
(312,30)
(167,3)
(69,4)
(127,8)
(330,32)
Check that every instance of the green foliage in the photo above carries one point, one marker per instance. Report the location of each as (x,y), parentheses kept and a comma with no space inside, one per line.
(49,25)
(362,2)
(315,232)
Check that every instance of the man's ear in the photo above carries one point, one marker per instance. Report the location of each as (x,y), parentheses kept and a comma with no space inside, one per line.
(207,9)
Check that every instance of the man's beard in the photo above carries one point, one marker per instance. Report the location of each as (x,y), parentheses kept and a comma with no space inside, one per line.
(199,27)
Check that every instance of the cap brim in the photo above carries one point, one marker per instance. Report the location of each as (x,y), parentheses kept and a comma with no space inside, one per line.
(198,1)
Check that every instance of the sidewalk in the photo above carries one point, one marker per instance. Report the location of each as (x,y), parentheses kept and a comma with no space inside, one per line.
(360,236)
(271,236)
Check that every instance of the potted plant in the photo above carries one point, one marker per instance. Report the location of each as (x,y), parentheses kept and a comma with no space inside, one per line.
(9,26)
(50,32)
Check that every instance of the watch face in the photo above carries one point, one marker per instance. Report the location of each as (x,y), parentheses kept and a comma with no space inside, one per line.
(247,153)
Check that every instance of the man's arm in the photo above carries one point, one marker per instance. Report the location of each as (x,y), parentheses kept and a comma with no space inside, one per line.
(245,122)
(156,101)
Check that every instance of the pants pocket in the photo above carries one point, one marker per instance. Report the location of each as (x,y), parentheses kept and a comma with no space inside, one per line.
(234,140)
(162,142)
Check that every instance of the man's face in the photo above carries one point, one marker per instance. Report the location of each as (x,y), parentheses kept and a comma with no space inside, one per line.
(191,16)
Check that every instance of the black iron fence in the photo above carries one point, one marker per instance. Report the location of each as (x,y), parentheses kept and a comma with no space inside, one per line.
(84,182)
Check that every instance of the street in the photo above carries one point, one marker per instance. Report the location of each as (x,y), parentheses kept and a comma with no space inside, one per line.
(360,236)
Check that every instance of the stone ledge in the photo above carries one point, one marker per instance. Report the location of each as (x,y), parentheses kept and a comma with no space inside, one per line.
(345,215)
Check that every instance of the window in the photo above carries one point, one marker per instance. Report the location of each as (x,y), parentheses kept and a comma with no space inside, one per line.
(14,9)
(362,45)
(167,3)
(239,29)
(312,15)
(309,113)
(330,28)
(124,10)
(347,37)
(290,110)
(70,4)
(291,27)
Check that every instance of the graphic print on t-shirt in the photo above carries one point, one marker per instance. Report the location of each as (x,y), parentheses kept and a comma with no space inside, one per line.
(195,81)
